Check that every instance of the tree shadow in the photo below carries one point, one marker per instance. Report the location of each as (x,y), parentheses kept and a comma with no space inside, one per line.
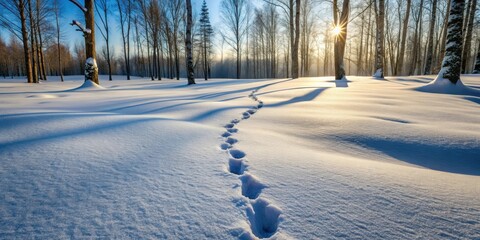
(440,157)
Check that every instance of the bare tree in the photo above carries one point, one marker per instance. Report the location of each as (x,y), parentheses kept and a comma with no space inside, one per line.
(340,19)
(125,17)
(91,69)
(56,10)
(188,44)
(380,38)
(102,9)
(234,17)
(428,62)
(468,28)
(17,8)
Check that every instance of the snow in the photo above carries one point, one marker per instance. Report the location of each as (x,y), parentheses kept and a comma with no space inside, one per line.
(378,74)
(443,85)
(239,159)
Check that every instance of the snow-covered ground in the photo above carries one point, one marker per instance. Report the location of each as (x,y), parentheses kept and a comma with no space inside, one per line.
(226,159)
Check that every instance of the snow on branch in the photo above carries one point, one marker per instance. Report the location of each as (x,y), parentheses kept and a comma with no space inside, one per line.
(80,27)
(85,10)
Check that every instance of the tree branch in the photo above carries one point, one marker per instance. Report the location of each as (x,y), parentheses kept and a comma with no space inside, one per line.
(80,27)
(79,6)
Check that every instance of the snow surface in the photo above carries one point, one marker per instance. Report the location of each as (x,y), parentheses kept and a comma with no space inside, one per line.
(227,159)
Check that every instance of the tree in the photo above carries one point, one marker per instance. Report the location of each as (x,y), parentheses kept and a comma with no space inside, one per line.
(56,10)
(188,44)
(476,69)
(340,19)
(33,43)
(468,26)
(297,39)
(125,18)
(17,8)
(451,65)
(234,17)
(206,32)
(428,63)
(102,5)
(380,50)
(91,69)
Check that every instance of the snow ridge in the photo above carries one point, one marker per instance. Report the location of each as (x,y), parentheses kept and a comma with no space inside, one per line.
(263,217)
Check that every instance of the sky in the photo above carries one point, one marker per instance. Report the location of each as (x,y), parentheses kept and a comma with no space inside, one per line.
(71,36)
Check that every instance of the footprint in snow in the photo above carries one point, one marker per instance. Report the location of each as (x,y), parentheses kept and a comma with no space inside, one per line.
(236,166)
(226,134)
(229,125)
(232,130)
(252,111)
(237,154)
(231,140)
(251,186)
(264,218)
(225,146)
(235,121)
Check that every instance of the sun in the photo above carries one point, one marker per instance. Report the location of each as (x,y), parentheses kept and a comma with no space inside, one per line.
(336,30)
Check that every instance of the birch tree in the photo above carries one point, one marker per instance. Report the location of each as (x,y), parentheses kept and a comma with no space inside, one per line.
(188,44)
(380,40)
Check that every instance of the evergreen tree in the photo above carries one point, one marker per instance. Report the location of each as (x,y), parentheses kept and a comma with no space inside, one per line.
(206,32)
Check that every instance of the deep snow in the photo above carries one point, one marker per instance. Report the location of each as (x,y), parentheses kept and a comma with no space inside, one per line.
(306,158)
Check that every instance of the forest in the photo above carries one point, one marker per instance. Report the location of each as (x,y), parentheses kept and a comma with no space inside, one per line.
(250,39)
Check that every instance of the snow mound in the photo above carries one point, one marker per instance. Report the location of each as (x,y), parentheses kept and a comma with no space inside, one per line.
(43,96)
(378,74)
(442,85)
(88,85)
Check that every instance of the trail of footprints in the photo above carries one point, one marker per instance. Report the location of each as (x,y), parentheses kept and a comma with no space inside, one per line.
(262,216)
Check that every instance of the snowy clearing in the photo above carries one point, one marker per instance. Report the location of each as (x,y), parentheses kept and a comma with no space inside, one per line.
(309,158)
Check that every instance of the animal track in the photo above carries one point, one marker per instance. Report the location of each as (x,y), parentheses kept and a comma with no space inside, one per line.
(262,216)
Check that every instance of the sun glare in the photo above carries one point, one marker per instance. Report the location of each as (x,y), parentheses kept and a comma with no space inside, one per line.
(336,30)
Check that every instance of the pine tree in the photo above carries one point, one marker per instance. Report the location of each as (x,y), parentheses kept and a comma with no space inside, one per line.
(206,32)
(452,61)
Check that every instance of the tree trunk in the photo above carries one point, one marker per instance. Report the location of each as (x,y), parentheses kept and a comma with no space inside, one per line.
(401,54)
(380,39)
(91,69)
(451,65)
(429,59)
(297,39)
(59,55)
(476,70)
(468,36)
(28,62)
(40,45)
(417,40)
(188,44)
(32,43)
(444,35)
(340,40)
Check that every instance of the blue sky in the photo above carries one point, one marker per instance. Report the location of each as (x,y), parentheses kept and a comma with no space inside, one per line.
(70,12)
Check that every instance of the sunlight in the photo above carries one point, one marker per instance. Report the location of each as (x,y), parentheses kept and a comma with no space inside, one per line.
(336,30)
